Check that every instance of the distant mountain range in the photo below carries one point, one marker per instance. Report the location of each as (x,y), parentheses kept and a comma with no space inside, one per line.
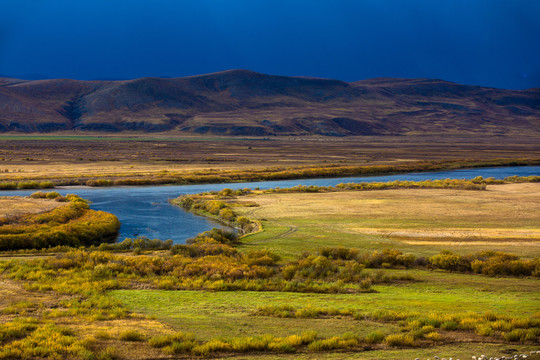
(245,103)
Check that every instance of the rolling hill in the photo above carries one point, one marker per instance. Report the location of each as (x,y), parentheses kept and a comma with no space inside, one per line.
(245,103)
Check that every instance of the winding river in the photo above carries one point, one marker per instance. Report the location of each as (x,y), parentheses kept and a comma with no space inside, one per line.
(145,211)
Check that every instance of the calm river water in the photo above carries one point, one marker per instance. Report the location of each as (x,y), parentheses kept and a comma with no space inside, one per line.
(144,211)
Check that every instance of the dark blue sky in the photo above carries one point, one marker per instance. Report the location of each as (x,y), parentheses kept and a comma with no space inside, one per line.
(481,42)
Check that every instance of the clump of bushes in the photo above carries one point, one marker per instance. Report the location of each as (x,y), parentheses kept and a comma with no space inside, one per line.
(212,242)
(47,195)
(131,335)
(400,340)
(20,185)
(73,224)
(187,344)
(28,338)
(418,326)
(212,204)
(492,263)
(396,184)
(141,243)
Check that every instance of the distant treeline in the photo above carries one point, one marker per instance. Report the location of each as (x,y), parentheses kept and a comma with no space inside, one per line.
(73,224)
(268,174)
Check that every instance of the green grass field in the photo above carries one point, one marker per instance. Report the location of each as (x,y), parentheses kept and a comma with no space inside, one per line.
(230,313)
(418,221)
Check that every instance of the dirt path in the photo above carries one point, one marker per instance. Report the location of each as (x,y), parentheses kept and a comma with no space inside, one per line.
(291,230)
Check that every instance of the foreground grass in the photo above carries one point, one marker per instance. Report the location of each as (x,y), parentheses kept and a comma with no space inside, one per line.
(457,351)
(231,313)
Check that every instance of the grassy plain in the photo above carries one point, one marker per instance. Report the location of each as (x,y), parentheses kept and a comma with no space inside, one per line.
(418,221)
(58,157)
(228,314)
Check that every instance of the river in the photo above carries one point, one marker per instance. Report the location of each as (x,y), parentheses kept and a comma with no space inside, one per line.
(145,211)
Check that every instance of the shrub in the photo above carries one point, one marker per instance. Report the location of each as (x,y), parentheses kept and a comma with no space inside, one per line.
(448,261)
(181,347)
(131,335)
(261,257)
(46,185)
(484,330)
(225,193)
(324,344)
(226,214)
(516,335)
(374,337)
(248,344)
(397,340)
(52,195)
(449,325)
(211,347)
(339,252)
(365,284)
(501,325)
(102,335)
(433,336)
(307,312)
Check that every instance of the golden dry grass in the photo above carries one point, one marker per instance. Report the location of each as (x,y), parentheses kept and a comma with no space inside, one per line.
(16,206)
(14,293)
(504,215)
(49,157)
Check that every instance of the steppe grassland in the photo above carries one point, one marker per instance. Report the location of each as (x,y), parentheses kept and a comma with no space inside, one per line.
(213,315)
(299,222)
(418,221)
(68,157)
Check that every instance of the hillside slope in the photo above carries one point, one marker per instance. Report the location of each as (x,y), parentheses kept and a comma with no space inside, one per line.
(241,102)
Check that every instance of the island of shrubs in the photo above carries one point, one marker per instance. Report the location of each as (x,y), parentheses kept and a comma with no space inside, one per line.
(73,224)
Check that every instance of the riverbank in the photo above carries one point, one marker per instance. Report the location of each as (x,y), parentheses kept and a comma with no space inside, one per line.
(14,181)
